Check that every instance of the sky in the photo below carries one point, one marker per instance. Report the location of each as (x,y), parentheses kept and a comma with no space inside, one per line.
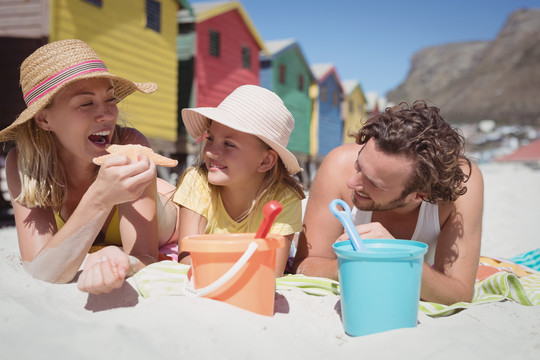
(373,41)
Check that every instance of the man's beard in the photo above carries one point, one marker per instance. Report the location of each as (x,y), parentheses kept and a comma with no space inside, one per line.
(391,205)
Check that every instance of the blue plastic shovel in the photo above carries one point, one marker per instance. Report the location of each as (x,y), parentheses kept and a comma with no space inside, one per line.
(345,217)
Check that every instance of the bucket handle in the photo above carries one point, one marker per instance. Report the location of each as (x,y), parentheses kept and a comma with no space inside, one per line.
(189,287)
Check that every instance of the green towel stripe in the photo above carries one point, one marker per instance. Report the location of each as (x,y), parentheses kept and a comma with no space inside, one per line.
(517,291)
(308,279)
(308,291)
(498,287)
(531,285)
(150,282)
(311,284)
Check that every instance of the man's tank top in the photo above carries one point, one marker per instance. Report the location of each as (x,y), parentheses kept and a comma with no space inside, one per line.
(427,226)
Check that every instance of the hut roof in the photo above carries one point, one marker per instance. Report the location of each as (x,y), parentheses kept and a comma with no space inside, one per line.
(350,85)
(276,47)
(209,9)
(322,71)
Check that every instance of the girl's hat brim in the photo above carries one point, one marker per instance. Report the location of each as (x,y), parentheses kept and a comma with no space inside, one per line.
(197,121)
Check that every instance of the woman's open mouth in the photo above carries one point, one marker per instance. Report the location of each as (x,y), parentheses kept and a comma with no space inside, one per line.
(100,138)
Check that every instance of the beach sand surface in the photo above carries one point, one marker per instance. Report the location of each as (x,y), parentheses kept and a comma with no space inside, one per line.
(48,321)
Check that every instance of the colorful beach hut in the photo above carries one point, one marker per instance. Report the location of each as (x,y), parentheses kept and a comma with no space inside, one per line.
(353,109)
(327,122)
(225,49)
(135,38)
(285,71)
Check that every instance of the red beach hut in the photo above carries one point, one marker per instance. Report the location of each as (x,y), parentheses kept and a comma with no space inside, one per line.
(226,51)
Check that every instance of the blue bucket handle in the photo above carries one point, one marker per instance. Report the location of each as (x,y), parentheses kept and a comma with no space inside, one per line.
(344,216)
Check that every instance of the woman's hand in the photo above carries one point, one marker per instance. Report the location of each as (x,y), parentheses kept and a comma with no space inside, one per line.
(119,180)
(104,271)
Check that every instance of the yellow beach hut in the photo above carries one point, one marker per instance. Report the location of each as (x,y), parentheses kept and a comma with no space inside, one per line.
(353,109)
(135,38)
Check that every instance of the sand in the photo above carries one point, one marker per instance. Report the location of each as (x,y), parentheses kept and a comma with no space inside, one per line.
(48,321)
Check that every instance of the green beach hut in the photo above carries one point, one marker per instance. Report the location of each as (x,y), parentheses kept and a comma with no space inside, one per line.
(285,71)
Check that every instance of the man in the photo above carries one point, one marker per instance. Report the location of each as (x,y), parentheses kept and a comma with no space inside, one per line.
(407,178)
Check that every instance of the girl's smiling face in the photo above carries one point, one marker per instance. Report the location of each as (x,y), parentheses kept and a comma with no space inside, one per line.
(233,158)
(82,117)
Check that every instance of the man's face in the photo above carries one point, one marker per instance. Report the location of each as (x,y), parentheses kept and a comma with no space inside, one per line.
(380,179)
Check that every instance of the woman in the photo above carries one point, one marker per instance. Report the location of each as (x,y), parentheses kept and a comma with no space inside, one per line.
(66,206)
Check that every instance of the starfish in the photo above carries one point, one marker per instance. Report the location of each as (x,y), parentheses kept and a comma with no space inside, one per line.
(131,151)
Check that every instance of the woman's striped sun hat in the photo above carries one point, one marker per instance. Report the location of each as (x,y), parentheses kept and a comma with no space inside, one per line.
(53,66)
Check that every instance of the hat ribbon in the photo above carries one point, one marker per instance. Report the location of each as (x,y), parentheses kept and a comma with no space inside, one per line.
(61,77)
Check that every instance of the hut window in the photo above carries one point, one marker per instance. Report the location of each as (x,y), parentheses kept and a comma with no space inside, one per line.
(301,82)
(323,93)
(282,74)
(246,57)
(335,99)
(214,43)
(153,15)
(98,3)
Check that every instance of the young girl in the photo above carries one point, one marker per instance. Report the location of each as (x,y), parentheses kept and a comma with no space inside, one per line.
(63,203)
(244,164)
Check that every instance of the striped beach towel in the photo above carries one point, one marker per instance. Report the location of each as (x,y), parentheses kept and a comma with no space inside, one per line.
(498,287)
(167,278)
(531,259)
(161,278)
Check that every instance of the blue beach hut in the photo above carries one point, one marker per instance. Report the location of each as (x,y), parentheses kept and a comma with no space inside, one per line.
(327,119)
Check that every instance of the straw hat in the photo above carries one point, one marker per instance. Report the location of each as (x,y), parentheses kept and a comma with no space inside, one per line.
(53,66)
(250,109)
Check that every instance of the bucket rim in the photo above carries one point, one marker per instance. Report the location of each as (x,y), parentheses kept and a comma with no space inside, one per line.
(405,249)
(233,243)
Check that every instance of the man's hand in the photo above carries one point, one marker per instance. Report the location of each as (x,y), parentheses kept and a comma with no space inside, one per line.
(372,230)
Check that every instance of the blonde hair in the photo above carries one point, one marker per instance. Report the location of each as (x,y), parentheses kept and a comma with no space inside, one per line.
(43,179)
(42,175)
(273,178)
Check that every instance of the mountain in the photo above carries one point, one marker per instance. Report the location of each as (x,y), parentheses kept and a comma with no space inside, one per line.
(472,81)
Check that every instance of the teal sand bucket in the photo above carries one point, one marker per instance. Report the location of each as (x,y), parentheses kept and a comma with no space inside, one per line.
(380,289)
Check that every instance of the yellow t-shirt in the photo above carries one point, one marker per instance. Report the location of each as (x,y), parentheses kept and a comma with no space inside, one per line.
(194,193)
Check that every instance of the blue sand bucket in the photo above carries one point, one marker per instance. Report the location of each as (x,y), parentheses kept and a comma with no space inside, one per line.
(380,290)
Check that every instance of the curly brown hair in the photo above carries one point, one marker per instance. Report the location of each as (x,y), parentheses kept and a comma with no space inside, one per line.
(419,132)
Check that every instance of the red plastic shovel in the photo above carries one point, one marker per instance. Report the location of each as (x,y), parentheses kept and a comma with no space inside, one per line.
(270,210)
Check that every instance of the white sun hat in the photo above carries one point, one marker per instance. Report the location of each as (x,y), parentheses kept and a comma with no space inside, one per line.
(253,110)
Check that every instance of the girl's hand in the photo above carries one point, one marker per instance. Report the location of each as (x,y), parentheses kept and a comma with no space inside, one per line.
(369,231)
(104,271)
(119,180)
